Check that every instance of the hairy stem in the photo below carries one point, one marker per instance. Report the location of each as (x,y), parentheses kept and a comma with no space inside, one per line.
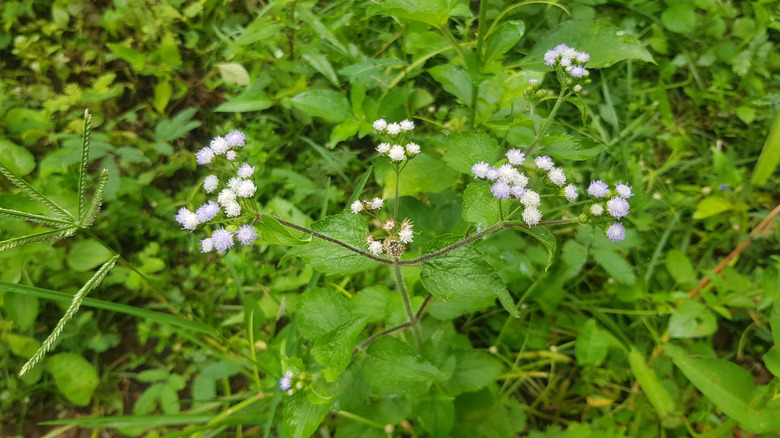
(482,21)
(546,124)
(399,278)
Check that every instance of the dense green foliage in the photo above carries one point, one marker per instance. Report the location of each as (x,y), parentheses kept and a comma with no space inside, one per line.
(546,331)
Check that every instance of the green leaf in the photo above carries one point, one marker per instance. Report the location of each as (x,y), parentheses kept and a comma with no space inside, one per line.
(391,362)
(203,387)
(680,18)
(463,275)
(263,27)
(692,320)
(479,206)
(74,376)
(86,255)
(605,43)
(770,156)
(136,60)
(474,370)
(454,80)
(544,235)
(233,73)
(271,231)
(571,148)
(679,266)
(329,257)
(321,311)
(436,413)
(168,51)
(614,264)
(326,104)
(591,345)
(344,131)
(301,417)
(162,95)
(503,38)
(510,122)
(321,63)
(334,349)
(710,206)
(22,346)
(22,310)
(656,393)
(253,99)
(169,400)
(153,375)
(729,387)
(772,360)
(432,12)
(176,127)
(423,174)
(16,158)
(463,150)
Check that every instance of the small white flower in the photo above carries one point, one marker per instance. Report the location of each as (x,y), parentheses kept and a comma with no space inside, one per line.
(532,215)
(235,139)
(231,155)
(397,153)
(394,129)
(380,125)
(617,207)
(480,169)
(577,71)
(246,234)
(598,189)
(375,247)
(233,209)
(412,149)
(246,171)
(520,180)
(530,199)
(582,57)
(515,157)
(557,176)
(491,174)
(226,196)
(187,219)
(210,183)
(207,211)
(246,189)
(570,192)
(616,232)
(577,88)
(389,225)
(383,148)
(233,183)
(357,206)
(544,162)
(518,191)
(407,224)
(623,190)
(407,125)
(406,235)
(206,245)
(219,145)
(376,203)
(501,190)
(222,240)
(596,210)
(204,156)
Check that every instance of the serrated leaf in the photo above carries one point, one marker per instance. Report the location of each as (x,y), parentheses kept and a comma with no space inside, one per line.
(74,376)
(591,345)
(329,257)
(326,104)
(463,150)
(333,350)
(479,206)
(301,417)
(271,231)
(463,275)
(614,264)
(605,43)
(729,387)
(321,311)
(474,370)
(455,80)
(391,362)
(546,237)
(571,148)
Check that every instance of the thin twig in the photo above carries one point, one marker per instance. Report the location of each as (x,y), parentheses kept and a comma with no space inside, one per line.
(761,228)
(386,332)
(418,315)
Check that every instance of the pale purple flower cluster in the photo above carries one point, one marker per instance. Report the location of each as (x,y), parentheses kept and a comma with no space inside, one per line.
(568,58)
(617,206)
(229,198)
(285,383)
(395,152)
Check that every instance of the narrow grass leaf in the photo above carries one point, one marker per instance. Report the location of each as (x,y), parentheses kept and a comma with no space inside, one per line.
(651,385)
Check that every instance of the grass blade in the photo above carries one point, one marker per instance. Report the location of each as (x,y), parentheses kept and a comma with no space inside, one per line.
(83,165)
(359,188)
(46,236)
(23,215)
(87,217)
(33,193)
(158,317)
(74,307)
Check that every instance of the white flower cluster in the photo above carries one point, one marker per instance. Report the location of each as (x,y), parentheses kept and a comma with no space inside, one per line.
(229,198)
(617,205)
(372,205)
(396,152)
(405,235)
(569,59)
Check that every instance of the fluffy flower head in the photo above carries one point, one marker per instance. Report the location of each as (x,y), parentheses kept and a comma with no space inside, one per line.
(375,204)
(480,169)
(233,209)
(406,235)
(235,139)
(222,240)
(407,125)
(570,192)
(617,207)
(246,234)
(231,155)
(375,247)
(219,145)
(246,171)
(246,189)
(501,190)
(598,189)
(623,190)
(532,215)
(596,210)
(380,125)
(356,207)
(616,232)
(383,148)
(204,156)
(187,219)
(207,211)
(544,162)
(210,183)
(515,157)
(412,149)
(530,199)
(397,153)
(557,176)
(206,245)
(394,129)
